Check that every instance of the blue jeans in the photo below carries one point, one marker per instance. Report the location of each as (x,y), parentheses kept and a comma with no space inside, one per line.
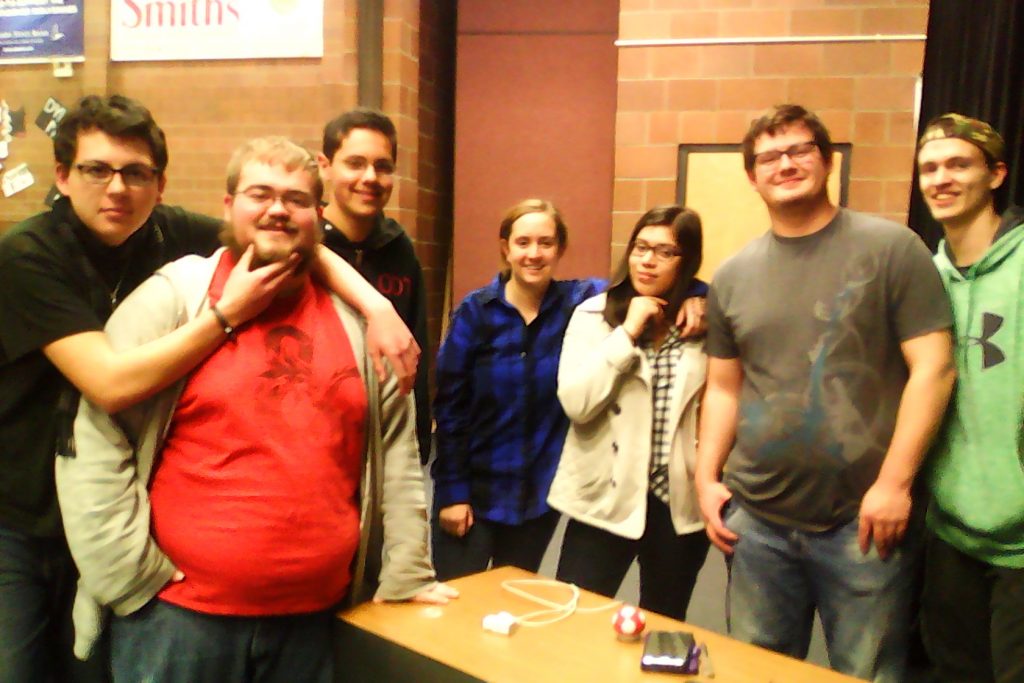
(778,577)
(37,588)
(170,644)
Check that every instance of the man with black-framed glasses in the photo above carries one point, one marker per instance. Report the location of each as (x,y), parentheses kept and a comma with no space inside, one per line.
(62,272)
(829,369)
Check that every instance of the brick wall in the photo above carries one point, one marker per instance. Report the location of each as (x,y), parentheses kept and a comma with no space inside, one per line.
(401,102)
(435,115)
(667,96)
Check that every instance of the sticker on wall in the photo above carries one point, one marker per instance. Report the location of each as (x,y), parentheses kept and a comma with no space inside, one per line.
(6,128)
(52,113)
(18,122)
(16,179)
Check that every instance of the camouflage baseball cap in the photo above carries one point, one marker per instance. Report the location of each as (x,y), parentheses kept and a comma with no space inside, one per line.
(976,132)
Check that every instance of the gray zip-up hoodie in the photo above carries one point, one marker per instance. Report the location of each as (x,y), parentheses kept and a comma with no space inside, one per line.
(103,492)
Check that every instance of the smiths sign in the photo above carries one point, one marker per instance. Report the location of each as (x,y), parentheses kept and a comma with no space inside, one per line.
(149,30)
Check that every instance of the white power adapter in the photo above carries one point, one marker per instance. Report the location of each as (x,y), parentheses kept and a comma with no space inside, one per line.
(502,623)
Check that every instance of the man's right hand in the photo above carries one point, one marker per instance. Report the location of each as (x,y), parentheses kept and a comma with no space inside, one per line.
(247,292)
(712,497)
(690,319)
(387,338)
(456,519)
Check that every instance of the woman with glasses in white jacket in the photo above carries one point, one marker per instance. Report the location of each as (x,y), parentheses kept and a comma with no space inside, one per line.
(631,386)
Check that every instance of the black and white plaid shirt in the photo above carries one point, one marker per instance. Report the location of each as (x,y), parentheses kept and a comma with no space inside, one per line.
(663,362)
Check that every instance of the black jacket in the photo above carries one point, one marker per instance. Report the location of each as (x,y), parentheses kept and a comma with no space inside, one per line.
(387,259)
(56,280)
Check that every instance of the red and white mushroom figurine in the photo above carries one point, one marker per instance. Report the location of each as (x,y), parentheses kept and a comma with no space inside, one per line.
(629,623)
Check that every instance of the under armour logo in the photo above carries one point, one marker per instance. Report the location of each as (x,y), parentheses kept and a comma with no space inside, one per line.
(991,354)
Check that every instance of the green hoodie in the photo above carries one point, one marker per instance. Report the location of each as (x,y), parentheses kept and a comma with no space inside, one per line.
(976,472)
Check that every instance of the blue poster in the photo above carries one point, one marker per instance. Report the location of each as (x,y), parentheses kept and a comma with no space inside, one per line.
(40,30)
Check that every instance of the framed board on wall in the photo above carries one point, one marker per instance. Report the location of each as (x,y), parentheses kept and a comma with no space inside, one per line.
(38,32)
(713,182)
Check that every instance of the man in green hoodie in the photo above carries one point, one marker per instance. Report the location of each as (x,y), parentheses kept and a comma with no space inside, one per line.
(973,602)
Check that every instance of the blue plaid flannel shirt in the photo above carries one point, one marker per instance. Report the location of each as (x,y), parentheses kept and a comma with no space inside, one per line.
(500,427)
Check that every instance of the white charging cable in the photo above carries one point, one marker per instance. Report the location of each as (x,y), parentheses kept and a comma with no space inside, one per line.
(553,612)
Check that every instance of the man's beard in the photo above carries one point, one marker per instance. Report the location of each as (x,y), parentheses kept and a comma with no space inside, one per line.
(264,258)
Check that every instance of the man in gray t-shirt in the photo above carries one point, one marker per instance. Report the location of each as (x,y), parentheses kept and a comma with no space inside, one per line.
(830,369)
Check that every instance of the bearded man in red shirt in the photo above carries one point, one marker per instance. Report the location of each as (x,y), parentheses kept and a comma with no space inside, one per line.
(225,519)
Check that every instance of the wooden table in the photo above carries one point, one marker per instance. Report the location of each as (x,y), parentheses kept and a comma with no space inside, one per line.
(412,642)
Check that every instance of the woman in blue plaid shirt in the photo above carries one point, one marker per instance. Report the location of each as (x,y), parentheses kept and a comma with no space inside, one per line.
(631,385)
(500,428)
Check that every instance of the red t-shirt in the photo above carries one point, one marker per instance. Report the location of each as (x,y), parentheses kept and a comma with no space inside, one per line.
(254,495)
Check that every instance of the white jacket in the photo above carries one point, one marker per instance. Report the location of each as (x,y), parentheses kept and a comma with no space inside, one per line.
(604,384)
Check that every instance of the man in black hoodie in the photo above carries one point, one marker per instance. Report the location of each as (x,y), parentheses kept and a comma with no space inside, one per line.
(358,164)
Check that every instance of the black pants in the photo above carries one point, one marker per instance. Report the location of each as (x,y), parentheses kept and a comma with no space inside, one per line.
(597,560)
(972,617)
(486,542)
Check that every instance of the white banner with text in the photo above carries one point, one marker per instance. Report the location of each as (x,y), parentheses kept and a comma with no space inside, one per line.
(152,30)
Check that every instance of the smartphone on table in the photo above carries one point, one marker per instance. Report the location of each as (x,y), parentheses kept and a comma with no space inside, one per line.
(669,652)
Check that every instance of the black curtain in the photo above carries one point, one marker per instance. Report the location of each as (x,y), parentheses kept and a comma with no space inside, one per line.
(974,65)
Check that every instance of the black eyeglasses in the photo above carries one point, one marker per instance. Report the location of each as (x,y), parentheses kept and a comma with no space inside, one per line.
(133,175)
(797,152)
(293,200)
(662,252)
(383,167)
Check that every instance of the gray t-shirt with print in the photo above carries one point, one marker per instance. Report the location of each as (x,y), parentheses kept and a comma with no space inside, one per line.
(817,323)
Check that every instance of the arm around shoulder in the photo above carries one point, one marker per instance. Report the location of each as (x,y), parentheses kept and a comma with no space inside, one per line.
(117,376)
